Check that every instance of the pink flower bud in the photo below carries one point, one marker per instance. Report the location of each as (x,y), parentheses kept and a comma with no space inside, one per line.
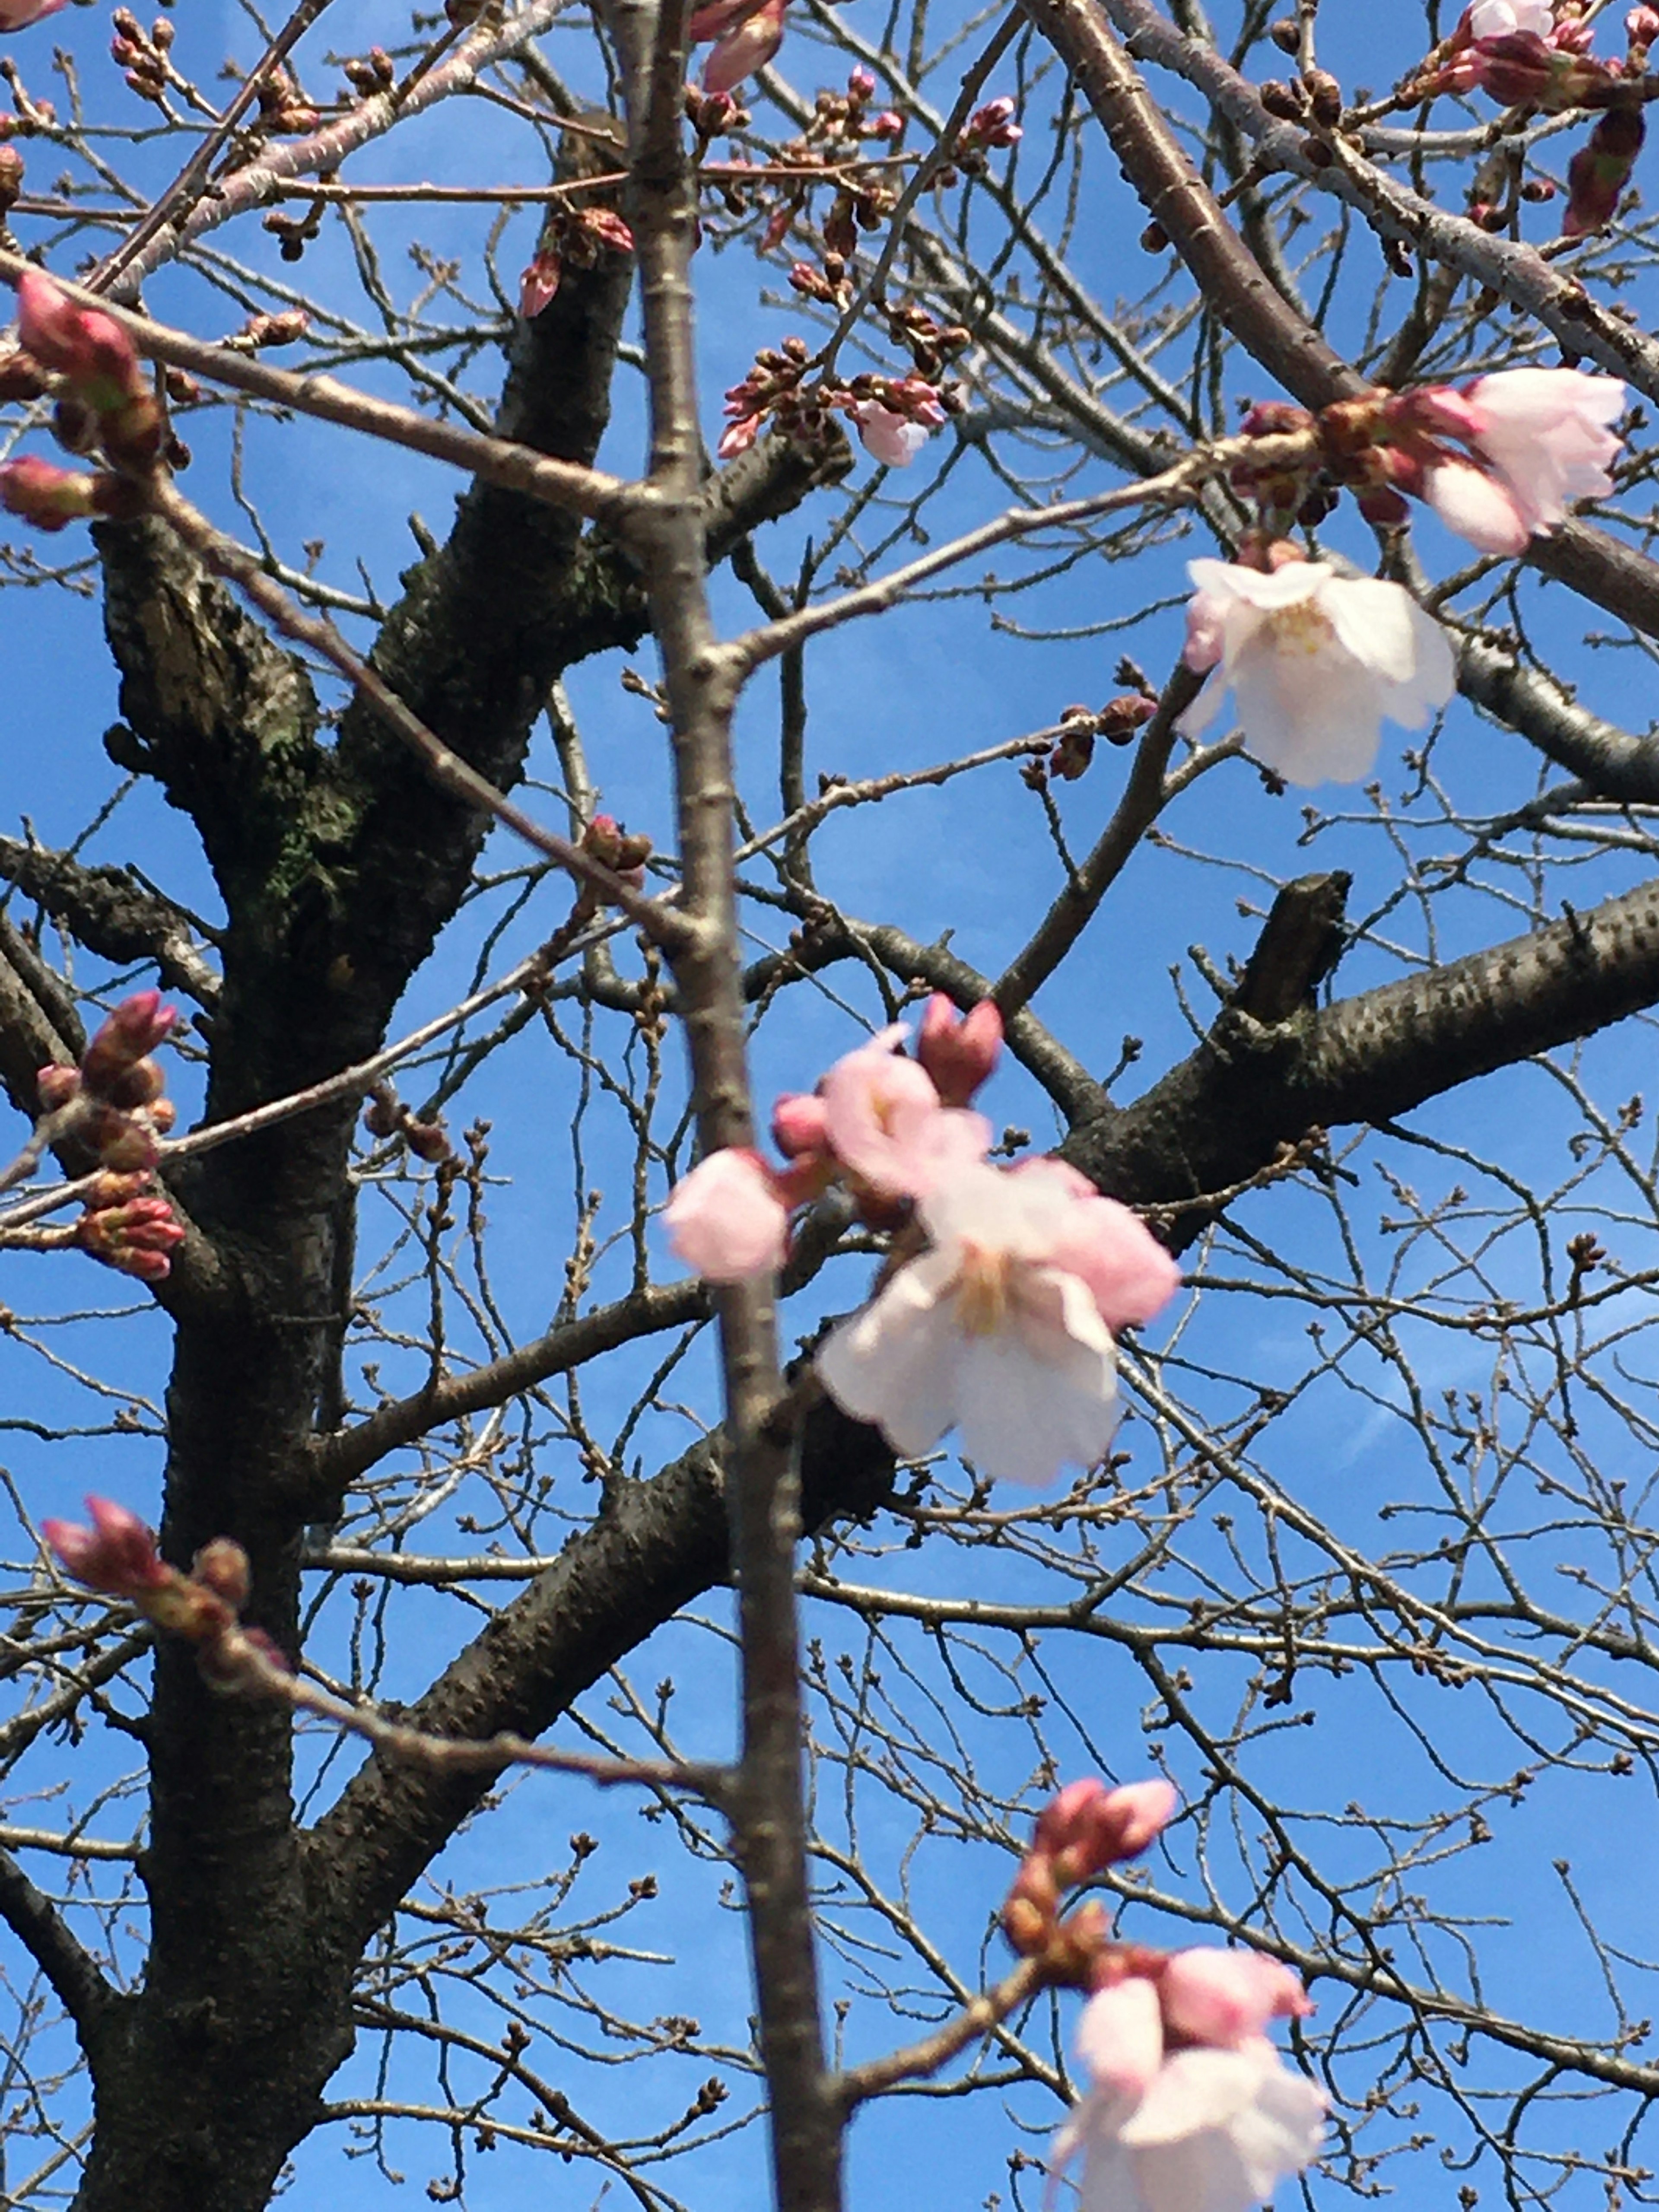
(1225,1998)
(57,1087)
(41,493)
(18,15)
(116,1555)
(1087,1827)
(1128,1820)
(1060,1825)
(93,351)
(959,1051)
(608,227)
(1599,172)
(725,1219)
(861,84)
(136,1027)
(993,124)
(539,283)
(799,1125)
(137,1239)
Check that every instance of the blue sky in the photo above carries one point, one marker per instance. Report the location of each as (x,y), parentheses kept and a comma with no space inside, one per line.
(927,683)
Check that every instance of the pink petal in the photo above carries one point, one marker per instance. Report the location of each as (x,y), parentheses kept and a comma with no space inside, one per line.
(1120,2037)
(725,1220)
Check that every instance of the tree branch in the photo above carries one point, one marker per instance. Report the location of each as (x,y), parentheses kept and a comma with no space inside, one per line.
(45,1935)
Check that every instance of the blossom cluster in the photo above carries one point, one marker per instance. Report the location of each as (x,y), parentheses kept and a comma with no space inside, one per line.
(1190,2107)
(1001,1326)
(105,399)
(112,1105)
(117,1556)
(1527,53)
(1316,660)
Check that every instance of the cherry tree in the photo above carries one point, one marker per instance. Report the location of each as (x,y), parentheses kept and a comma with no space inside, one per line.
(838,1423)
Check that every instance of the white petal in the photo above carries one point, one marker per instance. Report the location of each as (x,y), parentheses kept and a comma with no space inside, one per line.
(895,1363)
(1483,511)
(1312,718)
(1023,1413)
(1372,621)
(1202,712)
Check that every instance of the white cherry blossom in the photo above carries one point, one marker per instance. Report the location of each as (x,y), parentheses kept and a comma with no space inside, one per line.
(1315,662)
(1547,435)
(993,1333)
(1496,18)
(1216,2131)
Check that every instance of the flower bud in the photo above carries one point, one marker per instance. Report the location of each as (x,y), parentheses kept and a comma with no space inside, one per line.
(93,351)
(136,1027)
(1600,170)
(137,1239)
(57,1087)
(116,1555)
(43,494)
(799,1125)
(222,1567)
(959,1051)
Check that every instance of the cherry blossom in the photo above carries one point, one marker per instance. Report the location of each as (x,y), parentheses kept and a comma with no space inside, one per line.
(893,439)
(1315,662)
(1212,2131)
(1190,2107)
(991,1332)
(882,1119)
(1496,18)
(1537,437)
(1545,435)
(726,1218)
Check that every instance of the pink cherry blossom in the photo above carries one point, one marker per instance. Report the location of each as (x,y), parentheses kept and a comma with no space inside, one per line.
(1315,662)
(882,1119)
(1477,507)
(1214,2131)
(986,1333)
(1495,19)
(1129,1274)
(1226,1998)
(1120,2037)
(727,1219)
(893,439)
(1545,435)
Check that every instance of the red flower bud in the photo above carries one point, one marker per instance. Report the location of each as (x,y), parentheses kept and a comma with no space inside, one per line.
(44,495)
(136,1027)
(959,1051)
(116,1555)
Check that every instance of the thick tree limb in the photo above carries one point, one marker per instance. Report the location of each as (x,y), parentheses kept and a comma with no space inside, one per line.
(45,1935)
(112,914)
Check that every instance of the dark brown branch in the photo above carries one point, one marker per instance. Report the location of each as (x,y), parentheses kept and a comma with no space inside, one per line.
(45,1935)
(113,914)
(1220,1116)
